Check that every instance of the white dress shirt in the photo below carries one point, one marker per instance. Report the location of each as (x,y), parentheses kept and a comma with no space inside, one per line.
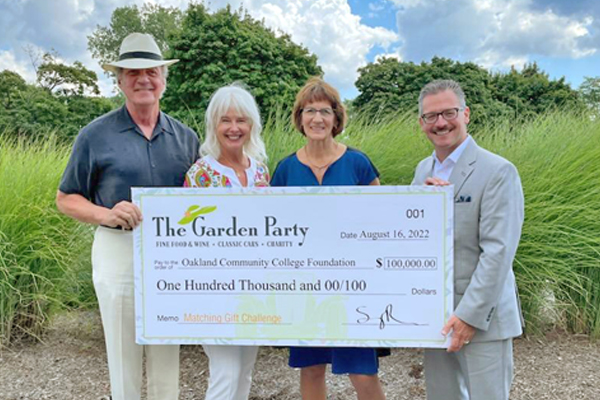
(443,170)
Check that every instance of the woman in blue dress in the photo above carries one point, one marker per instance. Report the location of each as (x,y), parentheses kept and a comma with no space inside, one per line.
(320,116)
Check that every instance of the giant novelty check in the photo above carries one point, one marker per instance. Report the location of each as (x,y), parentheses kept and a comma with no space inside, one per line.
(319,266)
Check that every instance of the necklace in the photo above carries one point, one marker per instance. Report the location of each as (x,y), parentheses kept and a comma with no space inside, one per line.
(240,174)
(324,166)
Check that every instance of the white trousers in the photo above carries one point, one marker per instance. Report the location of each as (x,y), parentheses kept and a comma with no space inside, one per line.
(112,261)
(479,371)
(230,371)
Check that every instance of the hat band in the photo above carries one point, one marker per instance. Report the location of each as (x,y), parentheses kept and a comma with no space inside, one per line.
(139,54)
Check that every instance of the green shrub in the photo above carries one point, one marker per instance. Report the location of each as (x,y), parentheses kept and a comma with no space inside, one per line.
(558,262)
(557,154)
(44,256)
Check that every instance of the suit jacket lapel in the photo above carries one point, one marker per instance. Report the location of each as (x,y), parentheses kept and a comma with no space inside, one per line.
(464,167)
(426,170)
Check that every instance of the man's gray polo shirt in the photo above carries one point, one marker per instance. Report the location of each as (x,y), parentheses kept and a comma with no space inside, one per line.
(111,155)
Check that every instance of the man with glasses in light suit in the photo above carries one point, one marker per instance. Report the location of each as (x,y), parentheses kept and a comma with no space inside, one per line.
(488,216)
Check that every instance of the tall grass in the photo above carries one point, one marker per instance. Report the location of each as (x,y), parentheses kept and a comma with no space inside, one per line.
(43,255)
(558,155)
(558,262)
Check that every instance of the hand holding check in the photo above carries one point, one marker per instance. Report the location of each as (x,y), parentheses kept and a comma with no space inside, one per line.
(462,333)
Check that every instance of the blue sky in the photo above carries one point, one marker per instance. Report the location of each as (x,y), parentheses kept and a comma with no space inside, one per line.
(563,37)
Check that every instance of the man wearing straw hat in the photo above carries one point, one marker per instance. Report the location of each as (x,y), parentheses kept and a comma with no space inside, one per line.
(135,145)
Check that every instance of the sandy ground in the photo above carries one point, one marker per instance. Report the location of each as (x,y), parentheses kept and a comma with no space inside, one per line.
(70,364)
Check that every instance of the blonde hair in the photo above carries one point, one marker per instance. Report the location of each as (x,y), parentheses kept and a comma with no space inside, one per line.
(235,97)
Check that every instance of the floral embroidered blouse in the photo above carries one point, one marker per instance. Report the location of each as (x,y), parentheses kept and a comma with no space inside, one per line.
(208,172)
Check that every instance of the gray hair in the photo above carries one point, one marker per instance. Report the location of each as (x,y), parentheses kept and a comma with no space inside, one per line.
(236,97)
(441,85)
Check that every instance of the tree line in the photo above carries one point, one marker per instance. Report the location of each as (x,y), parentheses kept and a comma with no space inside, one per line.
(219,48)
(389,85)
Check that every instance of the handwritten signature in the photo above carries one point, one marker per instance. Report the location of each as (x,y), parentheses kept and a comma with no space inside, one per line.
(386,317)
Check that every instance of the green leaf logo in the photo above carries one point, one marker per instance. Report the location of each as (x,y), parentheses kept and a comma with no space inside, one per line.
(193,212)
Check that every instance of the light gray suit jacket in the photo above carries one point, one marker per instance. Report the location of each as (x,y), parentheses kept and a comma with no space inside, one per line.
(488,215)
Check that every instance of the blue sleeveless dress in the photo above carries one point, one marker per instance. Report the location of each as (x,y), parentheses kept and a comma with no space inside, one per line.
(352,168)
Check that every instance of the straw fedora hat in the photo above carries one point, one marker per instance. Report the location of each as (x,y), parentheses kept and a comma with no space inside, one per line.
(138,51)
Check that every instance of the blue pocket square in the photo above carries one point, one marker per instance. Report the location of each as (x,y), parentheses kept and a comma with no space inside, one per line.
(463,199)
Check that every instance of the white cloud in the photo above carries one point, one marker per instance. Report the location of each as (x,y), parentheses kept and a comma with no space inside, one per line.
(9,61)
(493,60)
(62,25)
(408,3)
(327,28)
(394,54)
(107,86)
(376,6)
(165,3)
(493,33)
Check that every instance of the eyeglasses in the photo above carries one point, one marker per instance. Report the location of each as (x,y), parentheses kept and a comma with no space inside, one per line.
(311,112)
(448,115)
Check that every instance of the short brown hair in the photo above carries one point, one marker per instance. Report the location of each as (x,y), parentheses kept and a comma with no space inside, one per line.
(441,85)
(316,89)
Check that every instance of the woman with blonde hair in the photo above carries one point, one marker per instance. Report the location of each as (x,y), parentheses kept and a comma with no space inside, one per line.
(232,155)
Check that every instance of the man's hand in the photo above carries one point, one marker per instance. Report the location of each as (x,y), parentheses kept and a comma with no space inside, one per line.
(433,181)
(462,333)
(124,214)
